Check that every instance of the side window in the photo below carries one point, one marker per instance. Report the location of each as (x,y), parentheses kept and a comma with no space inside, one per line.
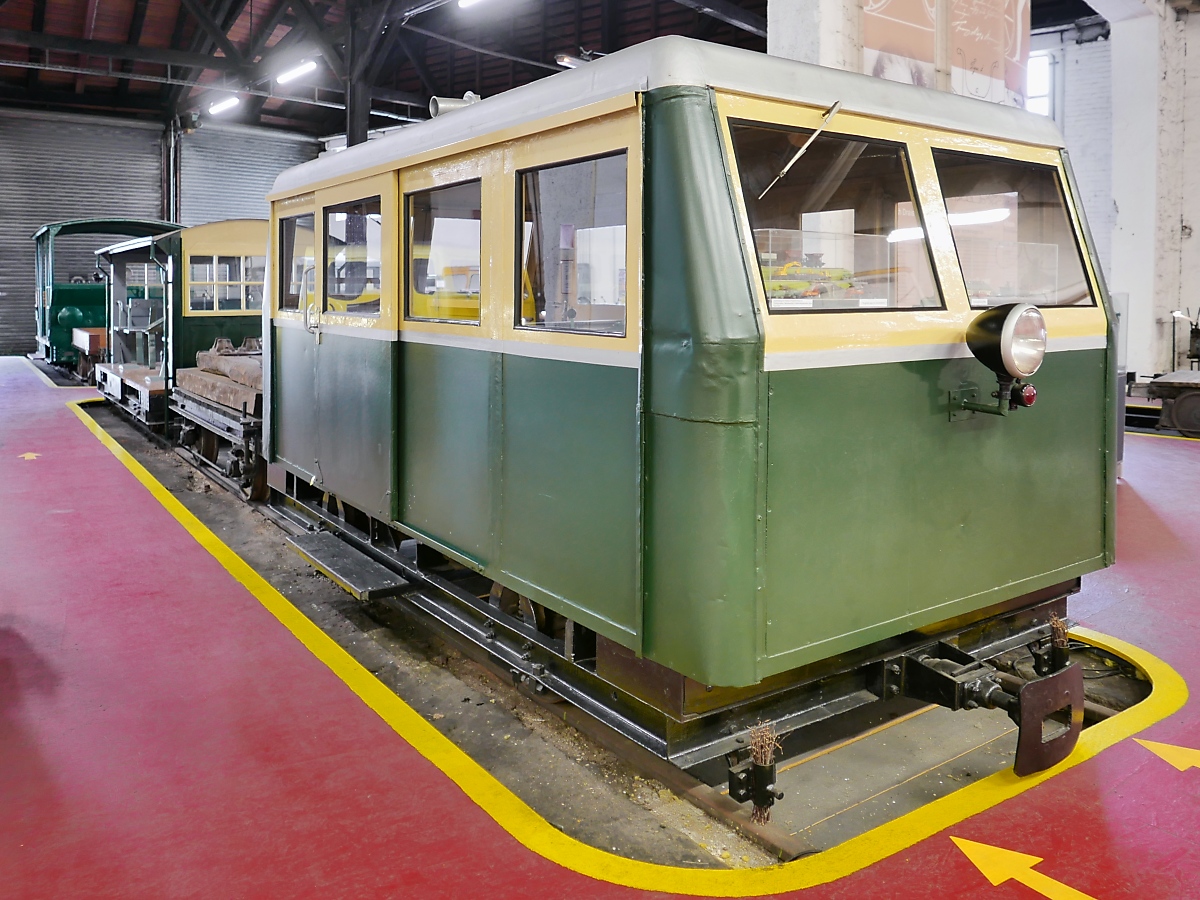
(571,260)
(443,253)
(225,283)
(297,261)
(201,284)
(834,220)
(254,271)
(1011,229)
(353,254)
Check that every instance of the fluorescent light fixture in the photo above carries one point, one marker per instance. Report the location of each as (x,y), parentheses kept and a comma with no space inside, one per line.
(223,105)
(567,61)
(309,65)
(463,4)
(981,217)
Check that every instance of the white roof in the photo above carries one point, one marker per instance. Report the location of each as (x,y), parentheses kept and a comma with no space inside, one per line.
(670,61)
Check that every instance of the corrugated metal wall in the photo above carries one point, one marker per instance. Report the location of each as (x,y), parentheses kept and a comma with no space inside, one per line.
(226,171)
(55,167)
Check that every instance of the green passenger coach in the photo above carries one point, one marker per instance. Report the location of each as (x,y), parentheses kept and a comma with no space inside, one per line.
(713,375)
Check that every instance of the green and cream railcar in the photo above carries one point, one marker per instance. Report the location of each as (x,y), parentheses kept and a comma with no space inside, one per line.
(674,345)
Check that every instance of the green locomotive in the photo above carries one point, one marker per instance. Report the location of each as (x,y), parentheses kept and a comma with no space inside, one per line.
(680,487)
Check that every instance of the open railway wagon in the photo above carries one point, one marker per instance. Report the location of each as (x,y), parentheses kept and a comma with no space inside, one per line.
(67,297)
(739,423)
(185,316)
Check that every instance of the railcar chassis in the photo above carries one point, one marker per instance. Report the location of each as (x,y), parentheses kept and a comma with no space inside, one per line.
(694,726)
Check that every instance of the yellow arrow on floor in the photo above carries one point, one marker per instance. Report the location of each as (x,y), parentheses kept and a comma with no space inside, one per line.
(28,456)
(1182,758)
(999,865)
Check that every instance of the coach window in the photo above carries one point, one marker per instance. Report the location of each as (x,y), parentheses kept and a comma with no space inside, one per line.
(572,253)
(443,253)
(353,245)
(225,283)
(834,221)
(1014,238)
(297,261)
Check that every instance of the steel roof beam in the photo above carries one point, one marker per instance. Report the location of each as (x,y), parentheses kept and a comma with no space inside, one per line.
(108,50)
(206,21)
(317,31)
(730,13)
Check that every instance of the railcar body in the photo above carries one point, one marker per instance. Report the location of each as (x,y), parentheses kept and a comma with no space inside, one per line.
(674,347)
(174,297)
(65,301)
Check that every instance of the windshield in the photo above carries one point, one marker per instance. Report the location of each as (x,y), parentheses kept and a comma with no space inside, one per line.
(1014,239)
(841,230)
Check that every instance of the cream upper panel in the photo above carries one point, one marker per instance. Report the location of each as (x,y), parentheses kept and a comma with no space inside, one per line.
(234,237)
(497,167)
(846,337)
(385,324)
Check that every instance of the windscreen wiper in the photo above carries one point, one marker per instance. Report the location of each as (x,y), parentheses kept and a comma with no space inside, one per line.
(829,114)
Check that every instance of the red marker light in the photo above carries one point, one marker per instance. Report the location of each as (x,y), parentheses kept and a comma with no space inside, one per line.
(1025,395)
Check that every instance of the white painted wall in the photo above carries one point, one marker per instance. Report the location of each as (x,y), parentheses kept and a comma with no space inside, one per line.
(824,32)
(1082,76)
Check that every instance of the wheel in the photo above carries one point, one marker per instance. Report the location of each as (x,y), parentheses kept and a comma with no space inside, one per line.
(256,488)
(208,446)
(1186,413)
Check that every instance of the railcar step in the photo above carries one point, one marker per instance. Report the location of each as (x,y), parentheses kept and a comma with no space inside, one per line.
(354,572)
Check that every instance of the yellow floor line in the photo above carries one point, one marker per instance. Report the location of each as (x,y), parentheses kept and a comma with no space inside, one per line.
(49,383)
(1169,693)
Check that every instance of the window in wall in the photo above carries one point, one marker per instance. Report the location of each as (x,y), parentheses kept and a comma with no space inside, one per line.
(572,254)
(444,252)
(225,283)
(1014,238)
(353,245)
(1039,84)
(839,231)
(297,261)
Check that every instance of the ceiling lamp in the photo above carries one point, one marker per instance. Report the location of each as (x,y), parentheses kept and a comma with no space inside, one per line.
(309,65)
(224,105)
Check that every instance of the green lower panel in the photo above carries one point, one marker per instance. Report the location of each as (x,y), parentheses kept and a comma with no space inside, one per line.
(883,515)
(294,399)
(700,546)
(357,386)
(446,458)
(571,461)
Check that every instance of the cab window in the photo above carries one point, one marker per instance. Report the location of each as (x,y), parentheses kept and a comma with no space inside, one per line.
(1014,238)
(571,258)
(353,245)
(297,261)
(840,230)
(225,283)
(443,253)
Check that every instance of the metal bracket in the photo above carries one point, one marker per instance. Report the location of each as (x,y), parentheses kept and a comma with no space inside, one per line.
(1048,711)
(1050,720)
(750,781)
(964,393)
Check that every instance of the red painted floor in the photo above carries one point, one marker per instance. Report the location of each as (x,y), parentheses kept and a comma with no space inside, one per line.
(162,735)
